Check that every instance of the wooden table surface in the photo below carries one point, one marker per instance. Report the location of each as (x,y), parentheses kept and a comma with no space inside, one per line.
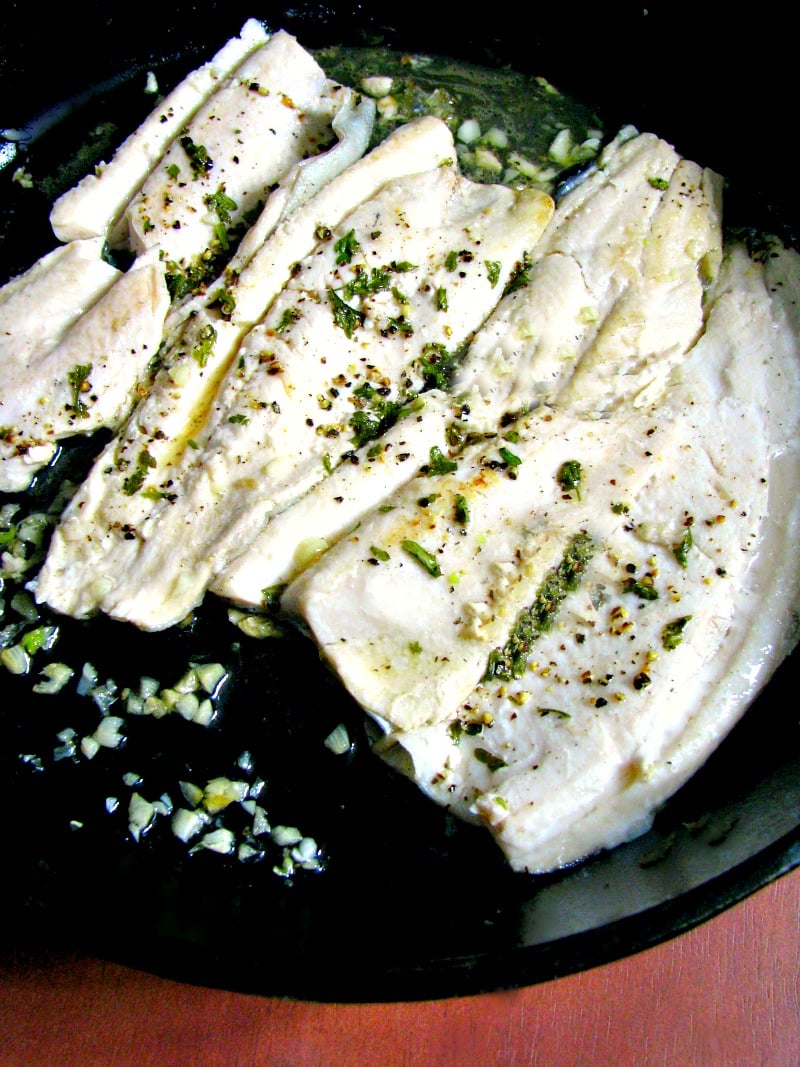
(724,994)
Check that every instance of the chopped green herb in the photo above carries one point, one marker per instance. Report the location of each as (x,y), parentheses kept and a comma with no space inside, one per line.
(544,712)
(510,457)
(379,553)
(133,483)
(439,463)
(436,365)
(672,633)
(346,247)
(520,276)
(493,269)
(346,317)
(494,763)
(239,418)
(221,204)
(458,728)
(398,325)
(441,299)
(221,235)
(199,158)
(659,183)
(423,557)
(462,509)
(570,476)
(225,302)
(365,282)
(367,425)
(643,588)
(415,648)
(205,345)
(78,379)
(681,549)
(289,317)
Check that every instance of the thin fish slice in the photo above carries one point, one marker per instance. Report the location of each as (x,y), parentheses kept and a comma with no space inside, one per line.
(86,380)
(91,208)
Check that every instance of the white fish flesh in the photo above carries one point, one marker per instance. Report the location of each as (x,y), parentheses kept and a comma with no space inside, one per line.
(552,337)
(91,208)
(286,407)
(656,654)
(197,192)
(410,649)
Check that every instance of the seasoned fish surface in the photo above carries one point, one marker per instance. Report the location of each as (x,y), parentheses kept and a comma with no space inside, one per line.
(345,340)
(679,618)
(525,473)
(409,648)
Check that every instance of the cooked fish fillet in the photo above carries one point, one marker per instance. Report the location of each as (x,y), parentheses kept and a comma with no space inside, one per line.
(299,535)
(614,296)
(38,306)
(275,109)
(91,207)
(305,353)
(410,648)
(567,329)
(629,693)
(209,179)
(86,379)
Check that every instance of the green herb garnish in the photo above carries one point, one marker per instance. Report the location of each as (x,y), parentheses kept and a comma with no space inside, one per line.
(423,557)
(78,379)
(643,588)
(672,633)
(462,510)
(511,660)
(570,476)
(494,763)
(346,317)
(493,268)
(134,482)
(439,463)
(681,549)
(205,345)
(199,158)
(346,247)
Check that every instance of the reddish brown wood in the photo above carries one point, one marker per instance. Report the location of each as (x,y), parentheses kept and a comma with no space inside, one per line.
(722,995)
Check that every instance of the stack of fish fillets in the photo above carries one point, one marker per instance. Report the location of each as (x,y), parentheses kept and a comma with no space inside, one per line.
(524,472)
(80,337)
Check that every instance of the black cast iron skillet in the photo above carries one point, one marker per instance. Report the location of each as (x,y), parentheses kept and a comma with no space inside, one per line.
(411,905)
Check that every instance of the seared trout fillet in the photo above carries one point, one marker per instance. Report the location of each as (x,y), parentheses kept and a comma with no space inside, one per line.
(566,334)
(92,207)
(680,616)
(84,381)
(351,334)
(179,225)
